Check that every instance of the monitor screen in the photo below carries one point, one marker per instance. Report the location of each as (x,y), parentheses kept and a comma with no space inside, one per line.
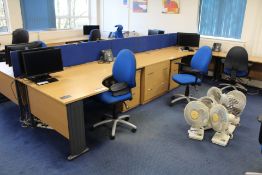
(188,39)
(24,46)
(42,61)
(87,29)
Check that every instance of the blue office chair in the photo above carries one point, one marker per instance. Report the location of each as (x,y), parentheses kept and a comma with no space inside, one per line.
(236,66)
(124,71)
(119,31)
(199,67)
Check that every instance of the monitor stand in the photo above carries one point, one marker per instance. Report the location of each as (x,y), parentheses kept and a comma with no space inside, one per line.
(42,79)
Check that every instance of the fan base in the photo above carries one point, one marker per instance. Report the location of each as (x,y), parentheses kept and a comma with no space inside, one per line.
(234,120)
(231,129)
(220,139)
(196,133)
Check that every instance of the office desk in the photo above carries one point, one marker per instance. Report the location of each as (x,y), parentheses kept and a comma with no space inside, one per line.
(62,41)
(7,82)
(59,42)
(60,104)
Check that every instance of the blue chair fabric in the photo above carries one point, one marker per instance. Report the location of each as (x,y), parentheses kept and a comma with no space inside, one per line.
(200,62)
(119,31)
(124,71)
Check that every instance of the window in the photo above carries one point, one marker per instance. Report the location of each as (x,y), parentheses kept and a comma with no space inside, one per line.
(72,13)
(222,18)
(3,16)
(38,14)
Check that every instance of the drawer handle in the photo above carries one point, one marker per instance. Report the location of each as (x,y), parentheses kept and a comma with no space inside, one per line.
(149,89)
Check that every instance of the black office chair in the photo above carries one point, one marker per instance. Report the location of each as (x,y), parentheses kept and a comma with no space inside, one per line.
(95,35)
(20,36)
(236,67)
(155,32)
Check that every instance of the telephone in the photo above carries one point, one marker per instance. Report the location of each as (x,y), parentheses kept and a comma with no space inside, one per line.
(217,47)
(106,56)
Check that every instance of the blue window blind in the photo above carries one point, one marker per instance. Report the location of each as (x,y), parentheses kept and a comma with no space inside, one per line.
(38,14)
(222,18)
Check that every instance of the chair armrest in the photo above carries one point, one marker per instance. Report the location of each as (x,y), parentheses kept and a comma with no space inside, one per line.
(259,118)
(195,72)
(192,72)
(108,82)
(181,65)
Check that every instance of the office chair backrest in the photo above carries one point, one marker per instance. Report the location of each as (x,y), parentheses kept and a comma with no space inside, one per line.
(202,59)
(237,59)
(20,36)
(124,69)
(119,31)
(95,35)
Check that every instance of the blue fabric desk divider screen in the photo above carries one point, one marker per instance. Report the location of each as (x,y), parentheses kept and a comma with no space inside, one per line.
(75,54)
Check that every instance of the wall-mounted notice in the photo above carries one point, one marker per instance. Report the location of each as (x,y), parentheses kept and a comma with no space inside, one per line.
(171,6)
(140,6)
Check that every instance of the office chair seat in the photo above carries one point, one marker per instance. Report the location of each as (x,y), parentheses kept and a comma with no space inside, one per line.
(185,79)
(108,98)
(239,73)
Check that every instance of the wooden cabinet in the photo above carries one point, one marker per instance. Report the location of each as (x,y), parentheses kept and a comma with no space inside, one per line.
(174,68)
(135,93)
(155,81)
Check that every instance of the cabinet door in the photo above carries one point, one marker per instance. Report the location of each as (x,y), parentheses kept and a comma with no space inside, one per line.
(135,94)
(155,80)
(174,68)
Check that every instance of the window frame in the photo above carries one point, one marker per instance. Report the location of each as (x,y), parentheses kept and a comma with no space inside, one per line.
(7,17)
(69,17)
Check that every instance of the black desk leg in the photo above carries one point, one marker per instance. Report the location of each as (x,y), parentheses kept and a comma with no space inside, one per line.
(76,125)
(26,118)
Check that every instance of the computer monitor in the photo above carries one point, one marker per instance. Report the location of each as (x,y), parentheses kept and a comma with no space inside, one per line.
(16,47)
(188,39)
(39,63)
(87,28)
(155,32)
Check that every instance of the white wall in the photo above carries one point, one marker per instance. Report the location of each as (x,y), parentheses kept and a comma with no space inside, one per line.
(186,21)
(14,14)
(252,29)
(114,12)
